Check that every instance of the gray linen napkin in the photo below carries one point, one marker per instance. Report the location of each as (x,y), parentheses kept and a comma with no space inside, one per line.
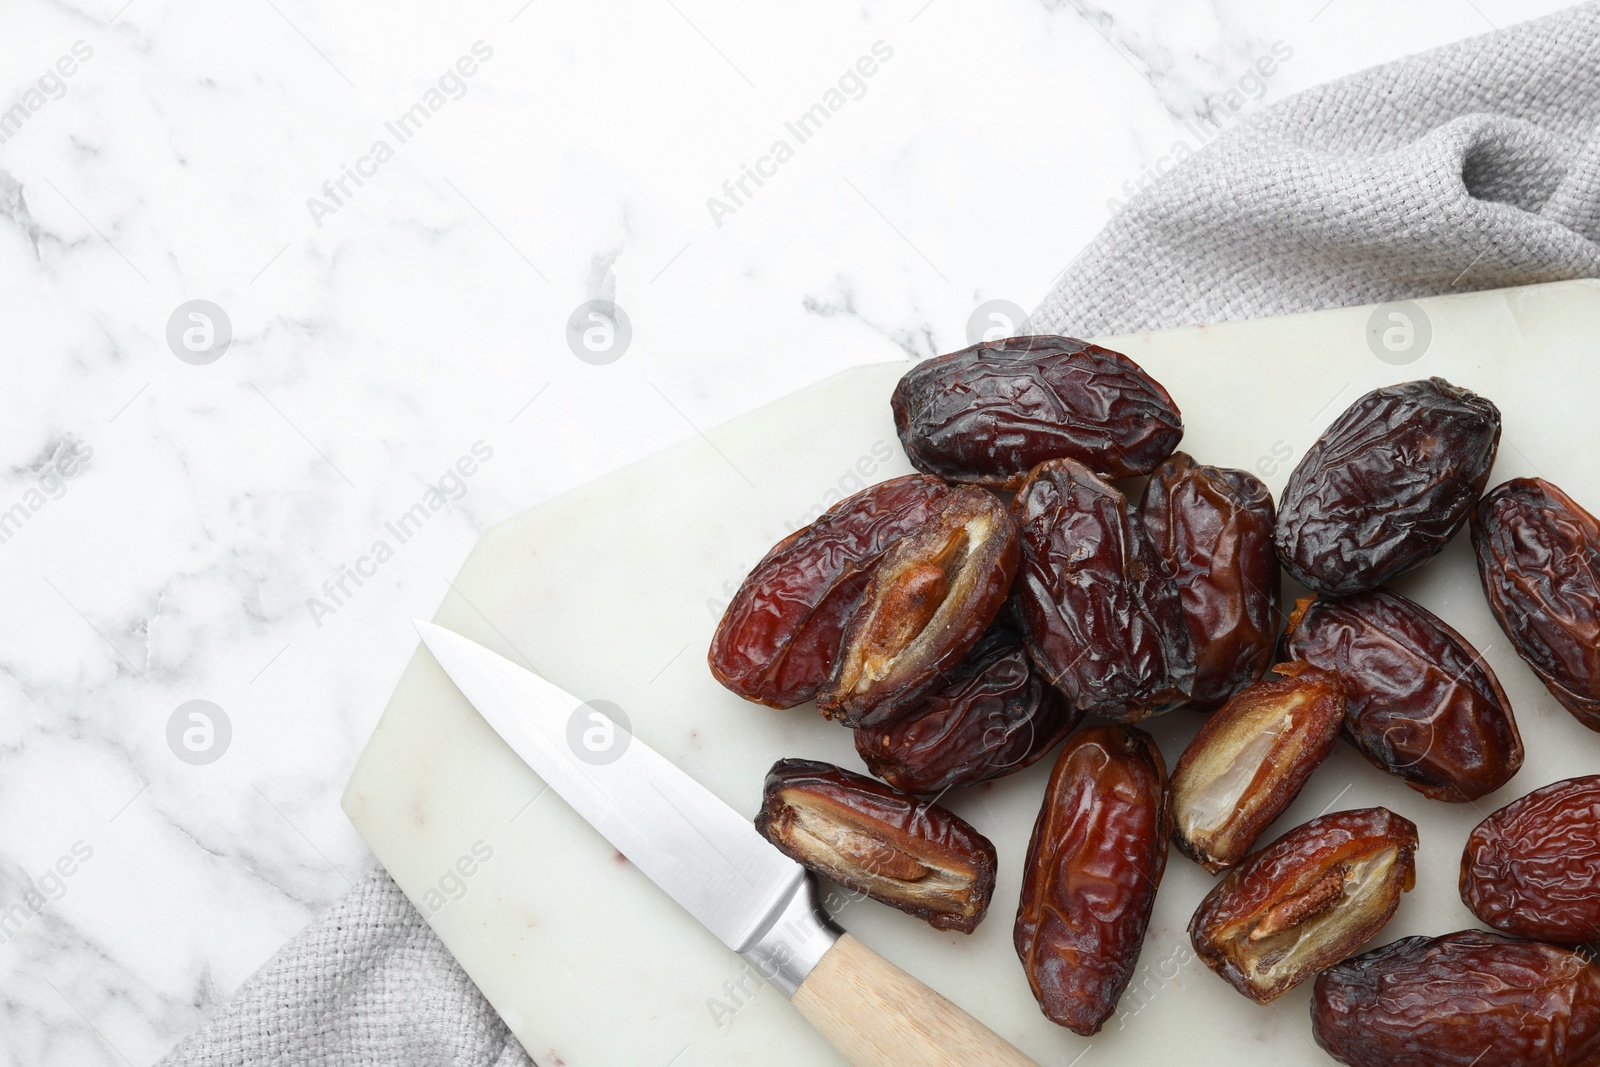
(1470,167)
(1473,166)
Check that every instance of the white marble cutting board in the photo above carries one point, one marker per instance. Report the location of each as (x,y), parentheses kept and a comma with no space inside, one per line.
(612,591)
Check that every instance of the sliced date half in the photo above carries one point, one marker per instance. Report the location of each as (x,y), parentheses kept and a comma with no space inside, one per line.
(1306,901)
(929,600)
(778,638)
(1250,760)
(907,853)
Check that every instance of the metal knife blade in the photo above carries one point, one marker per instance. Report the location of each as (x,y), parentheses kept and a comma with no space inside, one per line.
(705,855)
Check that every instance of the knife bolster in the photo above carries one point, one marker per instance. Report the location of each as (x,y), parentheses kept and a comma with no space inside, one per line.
(799,935)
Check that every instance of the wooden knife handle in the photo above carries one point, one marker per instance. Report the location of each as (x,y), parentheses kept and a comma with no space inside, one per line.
(876,1015)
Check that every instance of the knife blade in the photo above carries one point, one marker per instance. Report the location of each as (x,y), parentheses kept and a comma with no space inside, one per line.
(711,860)
(705,855)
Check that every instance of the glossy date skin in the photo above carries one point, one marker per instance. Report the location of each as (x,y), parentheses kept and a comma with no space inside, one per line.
(1420,702)
(1213,526)
(1097,854)
(990,413)
(931,597)
(1250,760)
(1102,618)
(1306,901)
(1464,999)
(1532,869)
(907,853)
(992,716)
(778,638)
(1539,560)
(1386,485)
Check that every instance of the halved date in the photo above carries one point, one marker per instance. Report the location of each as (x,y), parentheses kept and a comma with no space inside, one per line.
(1532,869)
(1539,560)
(1213,527)
(1101,616)
(1250,760)
(992,716)
(990,413)
(1464,999)
(1386,486)
(1097,854)
(1420,702)
(905,852)
(778,638)
(1305,901)
(931,597)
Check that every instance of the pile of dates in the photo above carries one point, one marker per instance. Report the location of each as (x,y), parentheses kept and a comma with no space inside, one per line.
(1055,558)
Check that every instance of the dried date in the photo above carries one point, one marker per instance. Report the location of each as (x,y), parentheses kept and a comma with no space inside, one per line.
(1420,702)
(1531,869)
(990,413)
(1464,999)
(1213,527)
(1386,486)
(899,850)
(778,638)
(992,716)
(1539,560)
(1250,760)
(929,600)
(1305,901)
(1098,851)
(1102,618)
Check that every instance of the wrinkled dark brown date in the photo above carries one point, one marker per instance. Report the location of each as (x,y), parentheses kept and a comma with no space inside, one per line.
(1305,901)
(990,717)
(1419,700)
(1213,527)
(990,413)
(931,597)
(1386,486)
(1464,999)
(1539,560)
(1250,760)
(1098,851)
(778,638)
(1532,869)
(1101,617)
(905,852)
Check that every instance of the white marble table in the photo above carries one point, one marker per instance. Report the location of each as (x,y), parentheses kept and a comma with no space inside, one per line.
(399,374)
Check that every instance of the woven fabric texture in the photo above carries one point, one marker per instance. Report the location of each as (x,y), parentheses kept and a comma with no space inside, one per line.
(1474,166)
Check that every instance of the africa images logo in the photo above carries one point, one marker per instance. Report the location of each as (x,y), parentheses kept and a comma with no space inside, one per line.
(449,487)
(51,85)
(451,85)
(809,123)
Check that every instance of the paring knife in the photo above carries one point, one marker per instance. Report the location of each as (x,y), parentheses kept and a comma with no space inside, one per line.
(710,859)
